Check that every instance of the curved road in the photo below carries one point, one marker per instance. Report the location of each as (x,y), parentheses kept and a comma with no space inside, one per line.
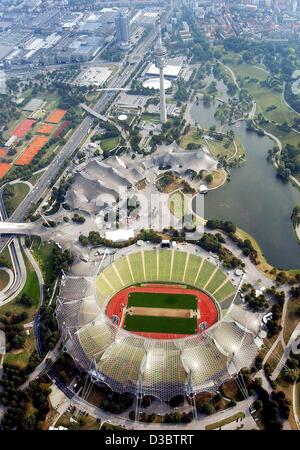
(18,263)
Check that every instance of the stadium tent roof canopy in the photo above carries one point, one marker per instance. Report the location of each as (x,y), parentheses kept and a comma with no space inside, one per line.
(99,184)
(164,368)
(181,160)
(119,235)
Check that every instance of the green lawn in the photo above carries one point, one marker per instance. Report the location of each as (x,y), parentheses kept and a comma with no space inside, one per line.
(247,70)
(32,289)
(161,325)
(263,95)
(298,400)
(43,253)
(35,177)
(109,426)
(235,417)
(21,358)
(20,192)
(151,117)
(162,300)
(5,259)
(191,137)
(292,318)
(109,144)
(216,148)
(291,137)
(177,203)
(4,279)
(86,422)
(266,97)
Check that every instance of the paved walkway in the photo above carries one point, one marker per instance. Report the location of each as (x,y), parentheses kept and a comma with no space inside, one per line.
(199,424)
(287,349)
(296,401)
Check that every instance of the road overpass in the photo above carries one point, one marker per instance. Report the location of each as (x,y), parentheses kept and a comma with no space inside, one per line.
(16,228)
(114,89)
(94,113)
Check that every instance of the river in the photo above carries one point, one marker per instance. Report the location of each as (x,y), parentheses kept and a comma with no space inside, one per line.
(254,199)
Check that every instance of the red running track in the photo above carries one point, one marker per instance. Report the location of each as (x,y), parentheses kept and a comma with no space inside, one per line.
(206,306)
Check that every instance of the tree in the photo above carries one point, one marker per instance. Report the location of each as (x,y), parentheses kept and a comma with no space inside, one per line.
(78,219)
(257,405)
(84,240)
(295,217)
(209,178)
(207,408)
(26,300)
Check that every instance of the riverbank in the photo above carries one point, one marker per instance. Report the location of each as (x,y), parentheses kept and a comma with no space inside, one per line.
(266,269)
(270,101)
(255,199)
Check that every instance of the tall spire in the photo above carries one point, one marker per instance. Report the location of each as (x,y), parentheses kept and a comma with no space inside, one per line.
(160,44)
(160,53)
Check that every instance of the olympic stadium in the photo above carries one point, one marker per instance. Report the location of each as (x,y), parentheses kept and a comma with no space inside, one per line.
(157,343)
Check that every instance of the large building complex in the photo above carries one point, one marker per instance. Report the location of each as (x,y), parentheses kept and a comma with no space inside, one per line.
(93,315)
(139,289)
(122,28)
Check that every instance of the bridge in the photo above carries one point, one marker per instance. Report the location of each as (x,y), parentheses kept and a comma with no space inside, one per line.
(113,89)
(94,113)
(16,228)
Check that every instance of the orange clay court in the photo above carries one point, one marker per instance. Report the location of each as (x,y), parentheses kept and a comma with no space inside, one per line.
(4,168)
(22,129)
(161,311)
(31,150)
(45,128)
(56,116)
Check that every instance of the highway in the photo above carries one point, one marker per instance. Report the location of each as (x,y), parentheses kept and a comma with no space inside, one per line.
(73,143)
(18,263)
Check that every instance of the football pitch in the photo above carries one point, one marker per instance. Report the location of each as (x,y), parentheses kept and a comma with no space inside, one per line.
(161,324)
(162,300)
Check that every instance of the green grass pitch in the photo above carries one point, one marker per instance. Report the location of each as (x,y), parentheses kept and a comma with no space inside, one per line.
(153,324)
(162,300)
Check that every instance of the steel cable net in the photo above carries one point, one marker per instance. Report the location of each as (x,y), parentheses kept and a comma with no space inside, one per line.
(163,368)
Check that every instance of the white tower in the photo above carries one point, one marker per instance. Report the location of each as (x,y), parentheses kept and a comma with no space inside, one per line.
(160,53)
(294,5)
